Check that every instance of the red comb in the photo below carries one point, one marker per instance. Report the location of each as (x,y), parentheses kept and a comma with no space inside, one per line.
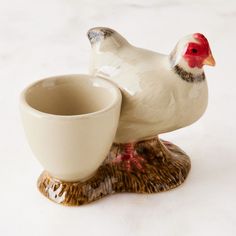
(202,39)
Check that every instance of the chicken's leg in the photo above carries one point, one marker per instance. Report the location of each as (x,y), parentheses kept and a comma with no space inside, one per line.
(129,158)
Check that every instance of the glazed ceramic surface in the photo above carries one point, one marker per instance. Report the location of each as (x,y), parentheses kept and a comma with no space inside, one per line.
(161,93)
(70,123)
(161,167)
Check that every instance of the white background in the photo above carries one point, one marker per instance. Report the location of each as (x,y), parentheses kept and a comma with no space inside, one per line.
(48,37)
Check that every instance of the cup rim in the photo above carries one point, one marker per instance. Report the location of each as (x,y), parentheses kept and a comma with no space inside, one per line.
(24,104)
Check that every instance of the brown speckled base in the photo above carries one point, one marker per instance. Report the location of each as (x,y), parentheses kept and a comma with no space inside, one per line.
(163,166)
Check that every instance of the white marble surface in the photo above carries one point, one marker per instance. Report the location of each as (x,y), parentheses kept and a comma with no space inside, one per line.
(47,37)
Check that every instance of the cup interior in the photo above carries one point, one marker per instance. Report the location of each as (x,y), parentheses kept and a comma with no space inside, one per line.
(70,95)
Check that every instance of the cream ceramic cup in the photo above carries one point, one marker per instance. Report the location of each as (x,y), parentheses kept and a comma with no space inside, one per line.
(70,122)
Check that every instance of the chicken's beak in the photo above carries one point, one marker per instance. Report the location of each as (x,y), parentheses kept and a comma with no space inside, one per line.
(210,61)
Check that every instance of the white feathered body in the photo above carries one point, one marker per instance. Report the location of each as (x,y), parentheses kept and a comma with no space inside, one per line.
(155,99)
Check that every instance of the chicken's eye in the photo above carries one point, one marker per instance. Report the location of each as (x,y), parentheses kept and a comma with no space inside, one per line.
(194,50)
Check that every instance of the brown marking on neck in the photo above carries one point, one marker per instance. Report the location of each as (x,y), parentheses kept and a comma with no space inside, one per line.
(188,76)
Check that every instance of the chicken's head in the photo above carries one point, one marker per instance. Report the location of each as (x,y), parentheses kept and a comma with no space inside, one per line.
(192,52)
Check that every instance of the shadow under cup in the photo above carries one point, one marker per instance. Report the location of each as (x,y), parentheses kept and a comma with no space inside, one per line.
(70,122)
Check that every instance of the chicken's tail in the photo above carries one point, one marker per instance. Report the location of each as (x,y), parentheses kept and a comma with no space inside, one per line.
(105,38)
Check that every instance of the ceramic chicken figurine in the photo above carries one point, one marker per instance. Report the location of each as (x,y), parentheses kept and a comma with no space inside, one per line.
(161,93)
